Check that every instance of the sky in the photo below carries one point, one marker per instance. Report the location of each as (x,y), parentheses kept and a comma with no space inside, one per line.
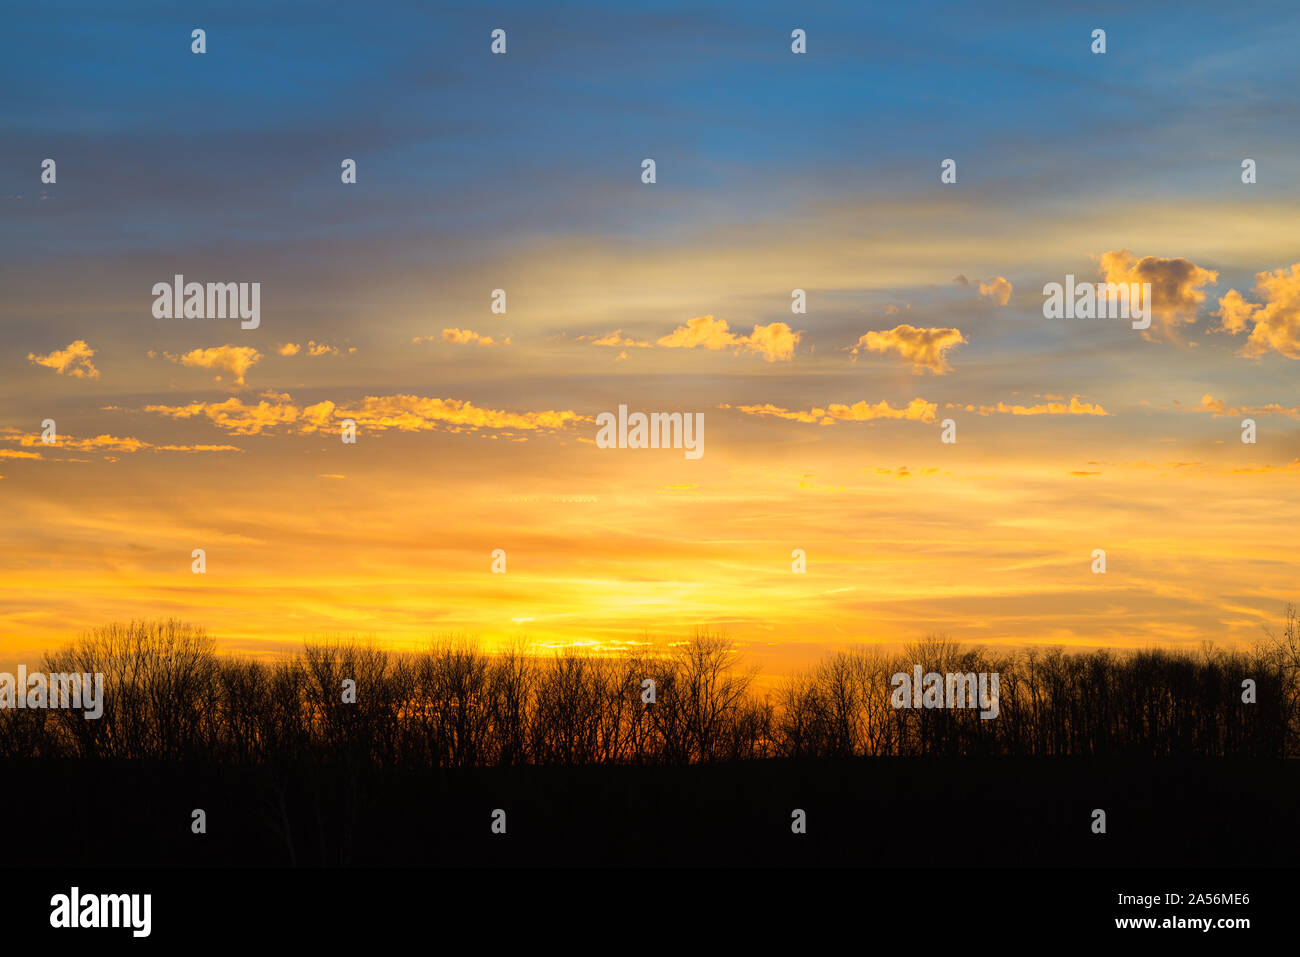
(774,172)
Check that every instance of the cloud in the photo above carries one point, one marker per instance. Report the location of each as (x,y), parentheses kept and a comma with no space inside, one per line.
(1219,408)
(615,338)
(314,349)
(405,413)
(702,331)
(1292,466)
(1175,286)
(410,413)
(998,290)
(234,416)
(463,337)
(1276,318)
(98,443)
(918,410)
(73,361)
(923,348)
(1073,407)
(775,341)
(236,360)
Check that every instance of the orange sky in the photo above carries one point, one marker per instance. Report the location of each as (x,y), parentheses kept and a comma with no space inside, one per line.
(476,429)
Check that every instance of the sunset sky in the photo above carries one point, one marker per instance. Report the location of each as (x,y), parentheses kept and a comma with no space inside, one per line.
(775,172)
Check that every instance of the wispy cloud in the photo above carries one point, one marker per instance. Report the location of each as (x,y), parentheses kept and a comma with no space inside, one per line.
(314,349)
(97,443)
(1219,408)
(1074,407)
(406,413)
(616,339)
(918,410)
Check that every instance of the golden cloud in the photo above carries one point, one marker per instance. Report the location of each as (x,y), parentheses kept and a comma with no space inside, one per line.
(73,361)
(775,341)
(406,413)
(918,410)
(315,349)
(999,290)
(923,348)
(616,338)
(464,337)
(1073,407)
(1175,286)
(1276,318)
(236,360)
(99,443)
(1219,408)
(234,416)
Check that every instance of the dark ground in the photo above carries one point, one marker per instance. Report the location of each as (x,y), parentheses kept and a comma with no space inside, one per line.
(864,812)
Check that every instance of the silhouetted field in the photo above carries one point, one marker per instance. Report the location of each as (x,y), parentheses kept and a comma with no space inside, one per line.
(894,812)
(587,772)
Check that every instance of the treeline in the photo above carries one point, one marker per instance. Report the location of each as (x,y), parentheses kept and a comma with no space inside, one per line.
(170,696)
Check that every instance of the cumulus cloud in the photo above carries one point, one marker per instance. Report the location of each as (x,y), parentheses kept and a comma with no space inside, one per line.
(918,410)
(290,349)
(1073,407)
(73,361)
(775,341)
(406,413)
(1274,321)
(925,349)
(236,360)
(999,290)
(702,331)
(1176,292)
